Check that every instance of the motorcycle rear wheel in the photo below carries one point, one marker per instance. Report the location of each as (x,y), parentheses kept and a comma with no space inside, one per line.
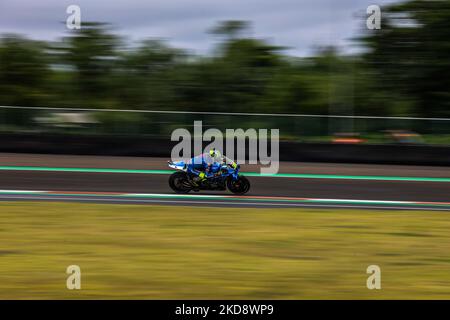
(179,182)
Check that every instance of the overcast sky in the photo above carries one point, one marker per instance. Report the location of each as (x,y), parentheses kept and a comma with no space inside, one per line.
(301,25)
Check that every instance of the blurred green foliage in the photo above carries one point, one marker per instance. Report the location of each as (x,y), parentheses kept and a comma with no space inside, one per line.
(402,71)
(409,58)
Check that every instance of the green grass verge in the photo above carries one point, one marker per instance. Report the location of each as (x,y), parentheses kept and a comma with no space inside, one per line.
(158,252)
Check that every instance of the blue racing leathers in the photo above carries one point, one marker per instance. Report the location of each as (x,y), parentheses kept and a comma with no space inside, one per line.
(199,165)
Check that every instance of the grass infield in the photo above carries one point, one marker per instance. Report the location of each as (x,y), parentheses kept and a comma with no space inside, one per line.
(163,252)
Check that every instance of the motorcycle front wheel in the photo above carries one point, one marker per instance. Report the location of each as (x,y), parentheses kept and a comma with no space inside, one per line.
(240,186)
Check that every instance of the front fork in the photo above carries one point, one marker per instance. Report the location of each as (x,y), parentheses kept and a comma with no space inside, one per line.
(235,175)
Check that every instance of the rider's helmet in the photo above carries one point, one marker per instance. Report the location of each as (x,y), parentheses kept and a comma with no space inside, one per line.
(214,153)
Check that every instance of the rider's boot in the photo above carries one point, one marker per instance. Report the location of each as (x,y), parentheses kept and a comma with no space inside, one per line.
(198,180)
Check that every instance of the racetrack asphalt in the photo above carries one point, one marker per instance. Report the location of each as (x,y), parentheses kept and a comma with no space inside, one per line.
(348,189)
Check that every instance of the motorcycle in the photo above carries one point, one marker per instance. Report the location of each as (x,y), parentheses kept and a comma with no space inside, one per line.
(221,177)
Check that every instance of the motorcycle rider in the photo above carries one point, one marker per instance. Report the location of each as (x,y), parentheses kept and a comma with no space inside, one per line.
(201,166)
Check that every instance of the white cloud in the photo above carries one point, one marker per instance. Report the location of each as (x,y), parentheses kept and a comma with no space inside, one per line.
(300,25)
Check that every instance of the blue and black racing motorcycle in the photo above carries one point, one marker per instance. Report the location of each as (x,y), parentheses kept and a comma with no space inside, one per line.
(221,177)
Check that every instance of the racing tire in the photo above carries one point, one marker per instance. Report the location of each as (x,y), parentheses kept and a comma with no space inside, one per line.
(179,182)
(240,186)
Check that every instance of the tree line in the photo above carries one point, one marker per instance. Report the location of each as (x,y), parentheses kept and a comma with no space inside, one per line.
(402,69)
